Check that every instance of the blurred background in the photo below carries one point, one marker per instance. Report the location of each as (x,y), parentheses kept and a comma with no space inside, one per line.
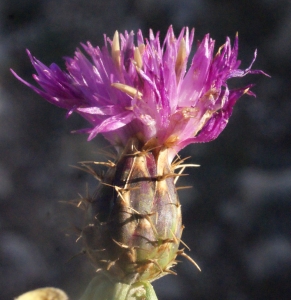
(238,213)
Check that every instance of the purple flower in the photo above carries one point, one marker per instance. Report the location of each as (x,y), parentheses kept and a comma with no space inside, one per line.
(145,89)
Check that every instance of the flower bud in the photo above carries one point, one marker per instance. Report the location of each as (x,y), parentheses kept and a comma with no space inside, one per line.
(134,220)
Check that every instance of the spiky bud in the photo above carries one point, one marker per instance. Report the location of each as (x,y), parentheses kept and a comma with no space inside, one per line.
(134,220)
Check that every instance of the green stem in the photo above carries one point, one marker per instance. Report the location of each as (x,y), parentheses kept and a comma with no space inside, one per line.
(101,288)
(142,290)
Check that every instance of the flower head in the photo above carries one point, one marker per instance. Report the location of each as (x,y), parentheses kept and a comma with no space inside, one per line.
(143,99)
(144,90)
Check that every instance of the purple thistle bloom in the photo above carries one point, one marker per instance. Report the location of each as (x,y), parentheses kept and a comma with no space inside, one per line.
(145,90)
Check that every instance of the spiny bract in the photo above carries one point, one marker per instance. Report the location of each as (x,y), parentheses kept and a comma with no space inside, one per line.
(134,219)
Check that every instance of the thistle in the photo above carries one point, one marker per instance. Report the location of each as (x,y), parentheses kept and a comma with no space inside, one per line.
(143,100)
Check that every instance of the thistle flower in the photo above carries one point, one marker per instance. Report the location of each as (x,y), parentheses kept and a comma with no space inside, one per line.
(145,90)
(145,102)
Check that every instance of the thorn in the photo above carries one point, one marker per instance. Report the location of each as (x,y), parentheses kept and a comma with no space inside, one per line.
(79,237)
(76,203)
(135,211)
(151,144)
(82,252)
(75,229)
(176,240)
(168,241)
(178,163)
(154,261)
(107,153)
(175,262)
(99,222)
(178,205)
(159,241)
(180,172)
(163,241)
(183,243)
(89,170)
(109,164)
(143,152)
(99,250)
(111,263)
(163,177)
(182,253)
(186,166)
(153,243)
(147,217)
(184,187)
(170,272)
(120,191)
(81,201)
(179,240)
(178,159)
(123,246)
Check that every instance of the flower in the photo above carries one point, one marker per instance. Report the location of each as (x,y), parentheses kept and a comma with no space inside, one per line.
(145,90)
(143,99)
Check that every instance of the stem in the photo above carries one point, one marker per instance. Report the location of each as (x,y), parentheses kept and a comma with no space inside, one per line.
(142,290)
(101,288)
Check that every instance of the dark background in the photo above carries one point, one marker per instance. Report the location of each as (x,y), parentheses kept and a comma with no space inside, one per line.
(238,213)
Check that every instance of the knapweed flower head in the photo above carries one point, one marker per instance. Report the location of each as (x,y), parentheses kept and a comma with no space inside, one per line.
(145,101)
(144,89)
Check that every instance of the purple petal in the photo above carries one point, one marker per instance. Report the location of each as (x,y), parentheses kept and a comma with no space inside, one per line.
(111,124)
(156,97)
